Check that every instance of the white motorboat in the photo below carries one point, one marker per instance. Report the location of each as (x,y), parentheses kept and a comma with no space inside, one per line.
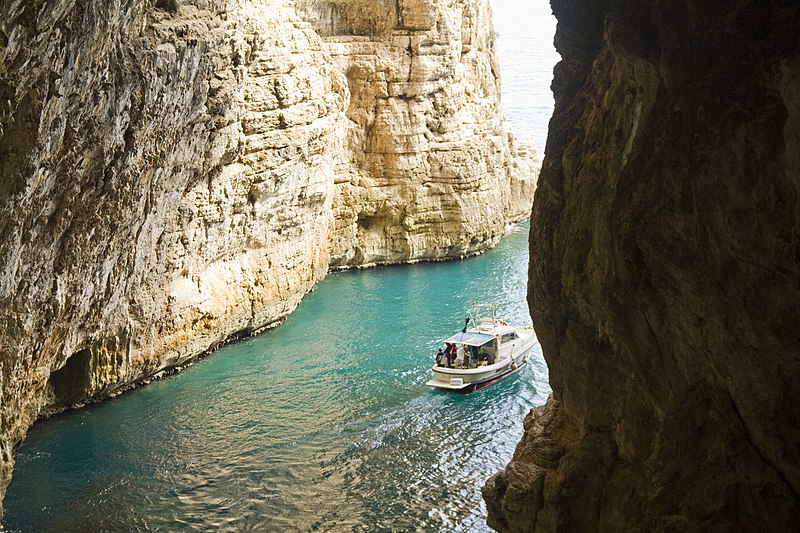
(485,353)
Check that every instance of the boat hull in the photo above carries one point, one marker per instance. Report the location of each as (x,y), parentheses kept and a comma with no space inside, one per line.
(466,388)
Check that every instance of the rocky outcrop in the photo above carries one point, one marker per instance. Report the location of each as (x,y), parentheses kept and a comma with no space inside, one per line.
(664,279)
(177,173)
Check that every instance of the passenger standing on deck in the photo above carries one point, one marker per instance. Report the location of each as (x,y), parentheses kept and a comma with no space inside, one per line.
(461,357)
(450,352)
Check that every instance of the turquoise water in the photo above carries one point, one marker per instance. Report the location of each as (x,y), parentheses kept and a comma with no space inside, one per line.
(321,424)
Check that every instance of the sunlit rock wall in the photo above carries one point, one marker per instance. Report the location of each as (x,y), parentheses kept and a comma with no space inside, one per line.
(174,173)
(166,183)
(431,170)
(665,275)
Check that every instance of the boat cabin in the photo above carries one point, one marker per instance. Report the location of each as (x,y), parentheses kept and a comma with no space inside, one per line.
(473,349)
(487,352)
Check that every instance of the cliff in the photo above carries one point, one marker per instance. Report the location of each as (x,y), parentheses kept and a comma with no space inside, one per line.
(177,173)
(431,170)
(665,246)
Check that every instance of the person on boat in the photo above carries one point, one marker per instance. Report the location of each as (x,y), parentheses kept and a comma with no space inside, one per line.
(462,357)
(467,356)
(450,352)
(441,358)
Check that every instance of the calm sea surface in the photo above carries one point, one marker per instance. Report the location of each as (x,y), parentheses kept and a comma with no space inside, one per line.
(325,422)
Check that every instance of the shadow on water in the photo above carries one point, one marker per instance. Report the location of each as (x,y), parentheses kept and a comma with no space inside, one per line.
(323,423)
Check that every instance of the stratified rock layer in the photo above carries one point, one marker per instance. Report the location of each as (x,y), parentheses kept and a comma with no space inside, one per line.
(177,173)
(665,275)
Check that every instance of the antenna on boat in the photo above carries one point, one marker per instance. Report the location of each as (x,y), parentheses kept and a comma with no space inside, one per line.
(465,326)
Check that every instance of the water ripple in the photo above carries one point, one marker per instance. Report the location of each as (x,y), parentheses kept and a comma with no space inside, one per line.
(324,423)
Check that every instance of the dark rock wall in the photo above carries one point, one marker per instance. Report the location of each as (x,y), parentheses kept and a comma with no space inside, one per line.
(665,274)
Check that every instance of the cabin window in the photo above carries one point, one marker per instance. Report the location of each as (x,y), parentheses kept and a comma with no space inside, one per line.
(508,337)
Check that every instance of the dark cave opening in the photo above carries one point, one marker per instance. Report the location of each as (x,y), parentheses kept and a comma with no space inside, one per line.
(71,382)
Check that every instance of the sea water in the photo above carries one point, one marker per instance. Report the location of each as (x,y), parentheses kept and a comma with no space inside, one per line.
(324,423)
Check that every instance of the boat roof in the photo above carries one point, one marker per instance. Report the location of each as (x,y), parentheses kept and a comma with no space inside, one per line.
(470,338)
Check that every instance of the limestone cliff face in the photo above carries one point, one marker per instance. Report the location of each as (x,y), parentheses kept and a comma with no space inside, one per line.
(172,174)
(166,183)
(664,285)
(431,170)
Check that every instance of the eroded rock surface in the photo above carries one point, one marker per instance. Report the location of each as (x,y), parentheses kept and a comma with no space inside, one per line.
(665,275)
(166,184)
(174,173)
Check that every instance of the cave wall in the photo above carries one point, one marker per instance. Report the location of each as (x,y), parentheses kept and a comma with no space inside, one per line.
(170,175)
(665,275)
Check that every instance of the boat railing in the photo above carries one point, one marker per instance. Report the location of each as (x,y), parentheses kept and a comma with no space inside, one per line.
(483,313)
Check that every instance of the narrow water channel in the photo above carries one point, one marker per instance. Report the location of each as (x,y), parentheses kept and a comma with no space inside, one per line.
(321,424)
